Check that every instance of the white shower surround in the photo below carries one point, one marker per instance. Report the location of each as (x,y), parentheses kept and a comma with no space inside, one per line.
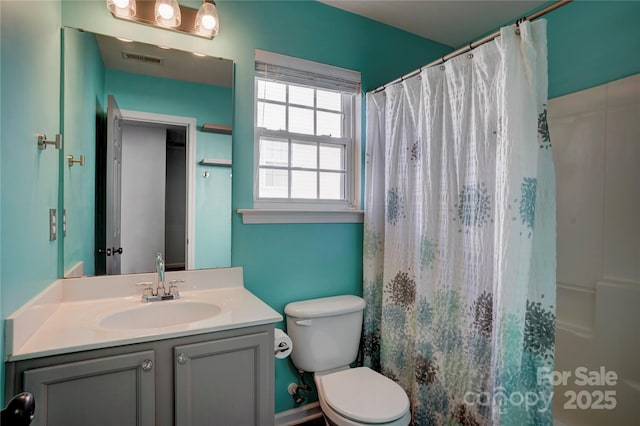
(595,136)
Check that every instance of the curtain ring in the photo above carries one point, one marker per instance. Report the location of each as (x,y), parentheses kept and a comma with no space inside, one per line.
(442,67)
(518,22)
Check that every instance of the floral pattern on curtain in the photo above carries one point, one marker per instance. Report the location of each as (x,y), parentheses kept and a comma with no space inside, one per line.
(459,237)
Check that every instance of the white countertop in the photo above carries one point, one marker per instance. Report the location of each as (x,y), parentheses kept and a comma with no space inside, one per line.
(66,317)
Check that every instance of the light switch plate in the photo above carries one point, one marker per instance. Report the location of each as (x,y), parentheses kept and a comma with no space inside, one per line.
(53,226)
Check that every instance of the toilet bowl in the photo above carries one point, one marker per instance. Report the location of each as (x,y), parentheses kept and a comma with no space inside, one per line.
(360,396)
(326,335)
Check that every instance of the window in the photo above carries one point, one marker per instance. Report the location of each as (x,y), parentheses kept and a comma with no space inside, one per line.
(306,135)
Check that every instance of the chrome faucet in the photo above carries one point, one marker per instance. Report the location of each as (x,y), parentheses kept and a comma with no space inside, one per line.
(160,289)
(161,292)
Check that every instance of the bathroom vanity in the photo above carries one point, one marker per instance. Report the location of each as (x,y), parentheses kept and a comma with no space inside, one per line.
(84,367)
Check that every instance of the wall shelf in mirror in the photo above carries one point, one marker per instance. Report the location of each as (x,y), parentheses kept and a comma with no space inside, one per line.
(215,162)
(216,128)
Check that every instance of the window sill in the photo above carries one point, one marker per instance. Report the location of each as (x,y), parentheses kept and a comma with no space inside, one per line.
(255,216)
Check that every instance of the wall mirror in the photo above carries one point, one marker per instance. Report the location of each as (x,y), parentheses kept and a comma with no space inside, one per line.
(153,128)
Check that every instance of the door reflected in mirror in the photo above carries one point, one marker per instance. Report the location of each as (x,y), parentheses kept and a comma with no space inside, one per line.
(142,115)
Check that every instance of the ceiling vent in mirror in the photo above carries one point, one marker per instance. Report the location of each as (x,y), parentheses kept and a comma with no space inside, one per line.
(170,15)
(130,56)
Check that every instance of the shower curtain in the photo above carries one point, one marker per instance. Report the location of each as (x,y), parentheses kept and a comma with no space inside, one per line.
(459,238)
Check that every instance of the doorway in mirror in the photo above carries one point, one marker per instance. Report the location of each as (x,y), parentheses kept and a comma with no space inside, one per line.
(144,176)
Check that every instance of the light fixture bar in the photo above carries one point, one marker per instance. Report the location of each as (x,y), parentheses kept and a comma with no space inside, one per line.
(146,14)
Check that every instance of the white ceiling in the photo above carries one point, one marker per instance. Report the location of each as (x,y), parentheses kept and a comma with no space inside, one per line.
(174,64)
(451,22)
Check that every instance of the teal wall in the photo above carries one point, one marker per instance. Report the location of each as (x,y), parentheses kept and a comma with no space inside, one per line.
(208,104)
(281,262)
(591,43)
(83,89)
(30,76)
(213,203)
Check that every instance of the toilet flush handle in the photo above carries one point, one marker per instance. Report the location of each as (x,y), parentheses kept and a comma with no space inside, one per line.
(305,323)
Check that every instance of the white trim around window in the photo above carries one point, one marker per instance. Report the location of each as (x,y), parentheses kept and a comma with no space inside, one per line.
(336,196)
(263,216)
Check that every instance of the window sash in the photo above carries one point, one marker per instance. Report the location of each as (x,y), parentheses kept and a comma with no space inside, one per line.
(346,171)
(346,112)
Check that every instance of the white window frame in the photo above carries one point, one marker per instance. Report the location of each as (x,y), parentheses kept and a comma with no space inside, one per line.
(287,210)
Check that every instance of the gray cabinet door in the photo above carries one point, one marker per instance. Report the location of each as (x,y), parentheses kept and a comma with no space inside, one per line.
(224,382)
(116,390)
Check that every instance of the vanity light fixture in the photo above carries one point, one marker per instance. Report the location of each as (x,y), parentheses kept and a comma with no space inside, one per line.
(207,21)
(169,15)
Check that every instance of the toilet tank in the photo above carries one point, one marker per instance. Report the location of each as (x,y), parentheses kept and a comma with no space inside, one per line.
(325,332)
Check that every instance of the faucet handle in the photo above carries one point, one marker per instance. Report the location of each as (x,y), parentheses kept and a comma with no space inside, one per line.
(173,286)
(148,290)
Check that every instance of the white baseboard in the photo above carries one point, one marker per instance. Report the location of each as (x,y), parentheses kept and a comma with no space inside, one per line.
(299,415)
(76,271)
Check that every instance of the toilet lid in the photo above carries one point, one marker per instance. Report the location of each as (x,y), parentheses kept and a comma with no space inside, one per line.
(363,395)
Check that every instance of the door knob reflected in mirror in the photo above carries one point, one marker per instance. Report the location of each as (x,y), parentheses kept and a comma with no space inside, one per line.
(104,251)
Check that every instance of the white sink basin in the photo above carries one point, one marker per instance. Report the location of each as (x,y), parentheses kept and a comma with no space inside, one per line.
(159,314)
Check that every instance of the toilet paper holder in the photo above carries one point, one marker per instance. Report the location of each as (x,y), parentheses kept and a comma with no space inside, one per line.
(282,347)
(282,344)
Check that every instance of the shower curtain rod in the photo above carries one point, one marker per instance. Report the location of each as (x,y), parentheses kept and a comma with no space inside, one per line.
(474,44)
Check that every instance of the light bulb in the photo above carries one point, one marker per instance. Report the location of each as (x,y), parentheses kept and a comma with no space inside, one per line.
(122,8)
(165,11)
(209,22)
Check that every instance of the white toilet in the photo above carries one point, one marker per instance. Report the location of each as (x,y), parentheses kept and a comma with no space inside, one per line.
(326,335)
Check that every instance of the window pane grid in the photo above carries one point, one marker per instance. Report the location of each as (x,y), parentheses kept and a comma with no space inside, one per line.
(297,99)
(307,182)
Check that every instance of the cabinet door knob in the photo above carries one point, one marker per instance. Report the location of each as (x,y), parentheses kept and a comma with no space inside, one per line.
(182,358)
(147,365)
